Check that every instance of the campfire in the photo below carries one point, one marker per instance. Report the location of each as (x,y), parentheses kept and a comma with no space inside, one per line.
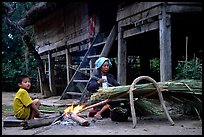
(71,112)
(71,116)
(73,109)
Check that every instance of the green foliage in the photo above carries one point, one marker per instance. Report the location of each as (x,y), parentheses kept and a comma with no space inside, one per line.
(12,69)
(189,70)
(155,65)
(13,52)
(134,62)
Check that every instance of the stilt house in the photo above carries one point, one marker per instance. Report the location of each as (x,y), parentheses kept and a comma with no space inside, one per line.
(70,36)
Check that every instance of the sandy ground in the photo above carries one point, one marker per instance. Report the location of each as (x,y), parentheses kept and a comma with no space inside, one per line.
(145,125)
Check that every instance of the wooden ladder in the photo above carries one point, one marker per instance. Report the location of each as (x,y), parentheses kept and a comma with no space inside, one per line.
(77,85)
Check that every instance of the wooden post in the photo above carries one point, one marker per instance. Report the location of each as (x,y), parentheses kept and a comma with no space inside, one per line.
(51,74)
(41,89)
(165,45)
(186,49)
(122,56)
(68,59)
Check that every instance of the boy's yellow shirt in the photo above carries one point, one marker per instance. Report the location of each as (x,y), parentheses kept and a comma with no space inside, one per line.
(21,104)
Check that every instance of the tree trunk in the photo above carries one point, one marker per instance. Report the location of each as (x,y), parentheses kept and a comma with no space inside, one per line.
(31,49)
(34,123)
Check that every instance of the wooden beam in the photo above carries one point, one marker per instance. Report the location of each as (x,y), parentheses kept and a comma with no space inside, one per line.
(141,29)
(165,46)
(51,74)
(135,8)
(68,62)
(145,14)
(122,57)
(109,42)
(183,8)
(59,53)
(51,46)
(40,81)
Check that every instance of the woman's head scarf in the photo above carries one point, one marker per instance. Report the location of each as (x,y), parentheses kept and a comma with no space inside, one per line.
(99,62)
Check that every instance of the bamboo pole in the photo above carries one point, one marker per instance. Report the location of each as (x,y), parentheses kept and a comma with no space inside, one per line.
(132,88)
(102,102)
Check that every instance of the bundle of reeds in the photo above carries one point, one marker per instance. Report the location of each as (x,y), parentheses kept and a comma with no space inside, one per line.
(179,86)
(146,106)
(185,93)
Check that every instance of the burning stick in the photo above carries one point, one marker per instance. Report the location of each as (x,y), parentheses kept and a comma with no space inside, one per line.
(71,112)
(94,105)
(80,120)
(101,103)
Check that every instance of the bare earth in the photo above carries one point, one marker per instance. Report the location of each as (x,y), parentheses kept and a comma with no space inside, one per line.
(145,125)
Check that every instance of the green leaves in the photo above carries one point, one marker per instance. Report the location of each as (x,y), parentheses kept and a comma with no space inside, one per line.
(189,70)
(13,51)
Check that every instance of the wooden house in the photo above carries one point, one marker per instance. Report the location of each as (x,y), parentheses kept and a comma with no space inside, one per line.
(70,36)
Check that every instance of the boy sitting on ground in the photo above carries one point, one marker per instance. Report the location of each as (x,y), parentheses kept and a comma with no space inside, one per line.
(24,107)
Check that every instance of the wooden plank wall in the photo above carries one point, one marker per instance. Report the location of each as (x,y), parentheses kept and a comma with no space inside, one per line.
(50,31)
(65,26)
(76,23)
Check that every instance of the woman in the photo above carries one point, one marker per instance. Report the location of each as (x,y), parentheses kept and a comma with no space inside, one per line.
(102,79)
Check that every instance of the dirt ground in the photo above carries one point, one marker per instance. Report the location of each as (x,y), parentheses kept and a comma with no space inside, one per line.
(153,125)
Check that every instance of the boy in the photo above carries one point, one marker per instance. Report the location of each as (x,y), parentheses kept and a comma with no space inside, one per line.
(24,107)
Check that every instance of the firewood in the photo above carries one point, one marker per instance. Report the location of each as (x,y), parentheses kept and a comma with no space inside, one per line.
(81,121)
(34,123)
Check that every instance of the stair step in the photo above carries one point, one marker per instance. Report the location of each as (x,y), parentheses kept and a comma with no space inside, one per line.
(74,93)
(81,80)
(98,44)
(93,56)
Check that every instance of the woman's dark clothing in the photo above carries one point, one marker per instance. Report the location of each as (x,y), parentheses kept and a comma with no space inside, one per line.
(93,85)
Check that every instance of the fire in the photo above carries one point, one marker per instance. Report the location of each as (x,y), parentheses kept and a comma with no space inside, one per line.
(73,109)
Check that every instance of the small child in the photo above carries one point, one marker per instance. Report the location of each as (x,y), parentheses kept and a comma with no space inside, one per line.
(24,107)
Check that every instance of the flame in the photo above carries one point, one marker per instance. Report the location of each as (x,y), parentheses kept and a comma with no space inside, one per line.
(73,109)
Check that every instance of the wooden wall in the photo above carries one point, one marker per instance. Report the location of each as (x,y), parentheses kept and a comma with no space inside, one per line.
(65,26)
